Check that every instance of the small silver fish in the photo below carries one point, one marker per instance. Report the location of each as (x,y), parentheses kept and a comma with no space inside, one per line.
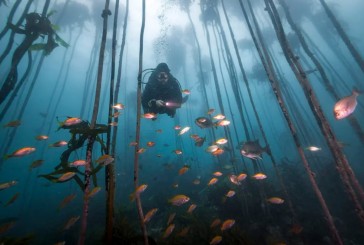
(345,106)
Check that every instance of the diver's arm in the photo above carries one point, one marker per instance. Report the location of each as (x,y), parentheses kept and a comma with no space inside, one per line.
(147,96)
(176,94)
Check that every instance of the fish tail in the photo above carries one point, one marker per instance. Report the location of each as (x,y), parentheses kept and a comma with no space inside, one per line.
(356,92)
(60,125)
(7,157)
(184,99)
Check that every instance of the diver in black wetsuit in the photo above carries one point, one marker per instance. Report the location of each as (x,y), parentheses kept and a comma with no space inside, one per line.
(162,94)
(35,26)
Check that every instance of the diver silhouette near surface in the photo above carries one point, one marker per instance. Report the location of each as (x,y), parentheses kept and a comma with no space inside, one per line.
(36,26)
(162,94)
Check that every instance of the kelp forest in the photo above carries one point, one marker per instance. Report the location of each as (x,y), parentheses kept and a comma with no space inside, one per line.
(265,147)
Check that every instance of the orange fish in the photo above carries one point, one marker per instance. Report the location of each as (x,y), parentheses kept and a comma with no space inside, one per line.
(221,141)
(12,124)
(141,150)
(116,114)
(227,224)
(178,200)
(217,174)
(94,191)
(177,152)
(259,176)
(233,179)
(36,164)
(8,184)
(114,124)
(171,218)
(275,200)
(183,170)
(118,106)
(223,123)
(150,214)
(168,231)
(21,152)
(59,143)
(150,143)
(212,181)
(66,200)
(199,141)
(78,163)
(177,127)
(12,199)
(210,111)
(41,137)
(149,115)
(66,176)
(219,117)
(212,148)
(216,240)
(194,136)
(70,121)
(346,106)
(71,222)
(230,193)
(241,177)
(186,91)
(105,160)
(214,223)
(138,190)
(191,208)
(219,151)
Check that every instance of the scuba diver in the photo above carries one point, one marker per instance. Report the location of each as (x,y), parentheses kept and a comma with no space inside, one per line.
(162,94)
(36,25)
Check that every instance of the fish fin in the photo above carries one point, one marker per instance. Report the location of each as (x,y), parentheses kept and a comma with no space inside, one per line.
(356,91)
(184,99)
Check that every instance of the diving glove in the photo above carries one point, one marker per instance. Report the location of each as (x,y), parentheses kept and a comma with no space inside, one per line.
(150,103)
(160,103)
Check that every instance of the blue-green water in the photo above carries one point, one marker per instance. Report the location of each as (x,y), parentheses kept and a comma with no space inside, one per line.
(63,84)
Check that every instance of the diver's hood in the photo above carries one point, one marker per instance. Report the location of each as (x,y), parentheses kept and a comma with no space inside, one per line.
(162,67)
